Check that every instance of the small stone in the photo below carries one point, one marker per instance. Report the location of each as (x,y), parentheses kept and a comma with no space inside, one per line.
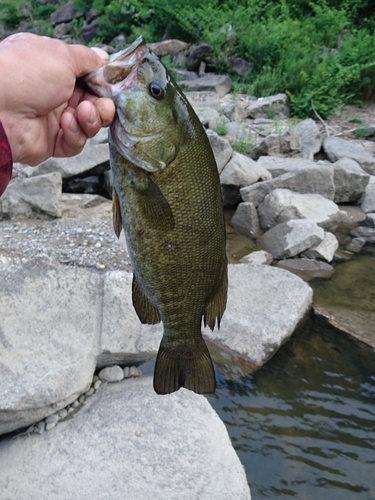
(99,266)
(126,372)
(90,392)
(41,427)
(62,413)
(356,245)
(111,373)
(31,429)
(81,398)
(97,384)
(50,426)
(70,410)
(134,372)
(52,419)
(75,403)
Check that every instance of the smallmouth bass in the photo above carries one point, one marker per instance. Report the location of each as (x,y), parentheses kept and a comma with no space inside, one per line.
(167,198)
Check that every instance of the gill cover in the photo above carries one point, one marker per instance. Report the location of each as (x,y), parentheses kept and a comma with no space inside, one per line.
(145,130)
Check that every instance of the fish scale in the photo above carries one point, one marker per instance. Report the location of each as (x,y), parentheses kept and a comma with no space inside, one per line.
(167,198)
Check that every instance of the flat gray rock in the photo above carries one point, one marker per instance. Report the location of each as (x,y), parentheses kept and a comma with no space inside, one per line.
(48,337)
(337,148)
(325,249)
(276,106)
(265,305)
(292,238)
(284,205)
(316,179)
(31,197)
(350,180)
(127,442)
(220,84)
(242,171)
(286,144)
(279,166)
(307,269)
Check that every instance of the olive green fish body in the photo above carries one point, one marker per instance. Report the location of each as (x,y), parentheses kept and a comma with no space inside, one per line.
(168,200)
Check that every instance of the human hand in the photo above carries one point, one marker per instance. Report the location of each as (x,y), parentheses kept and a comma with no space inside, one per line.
(42,110)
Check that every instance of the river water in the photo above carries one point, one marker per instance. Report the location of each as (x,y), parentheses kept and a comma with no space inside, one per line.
(304,424)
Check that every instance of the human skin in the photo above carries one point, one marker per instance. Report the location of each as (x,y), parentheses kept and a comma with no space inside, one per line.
(43,111)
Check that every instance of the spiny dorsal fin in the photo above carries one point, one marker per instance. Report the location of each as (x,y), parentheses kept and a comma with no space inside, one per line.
(146,311)
(116,211)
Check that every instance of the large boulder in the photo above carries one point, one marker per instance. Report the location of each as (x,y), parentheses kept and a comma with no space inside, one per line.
(291,238)
(94,158)
(246,220)
(312,179)
(279,166)
(31,197)
(265,305)
(325,249)
(276,106)
(128,442)
(336,148)
(350,180)
(284,205)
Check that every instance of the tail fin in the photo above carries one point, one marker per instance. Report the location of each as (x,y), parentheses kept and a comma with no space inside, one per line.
(178,368)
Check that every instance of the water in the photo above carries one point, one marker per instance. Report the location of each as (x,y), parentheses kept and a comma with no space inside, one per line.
(304,424)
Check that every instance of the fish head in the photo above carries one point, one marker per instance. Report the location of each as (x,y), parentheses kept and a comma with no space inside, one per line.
(150,111)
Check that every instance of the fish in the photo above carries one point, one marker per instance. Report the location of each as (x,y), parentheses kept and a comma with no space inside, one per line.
(167,200)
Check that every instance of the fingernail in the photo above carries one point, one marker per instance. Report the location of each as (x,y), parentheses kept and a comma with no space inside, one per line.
(93,118)
(74,127)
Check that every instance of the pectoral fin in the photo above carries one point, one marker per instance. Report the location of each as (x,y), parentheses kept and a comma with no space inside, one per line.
(116,212)
(146,311)
(155,207)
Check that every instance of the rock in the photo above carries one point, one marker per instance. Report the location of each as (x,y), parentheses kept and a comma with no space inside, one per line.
(62,29)
(370,220)
(240,171)
(221,148)
(284,205)
(101,137)
(356,245)
(196,56)
(269,107)
(31,197)
(350,180)
(291,238)
(167,47)
(265,304)
(325,249)
(207,99)
(239,133)
(135,433)
(235,111)
(368,200)
(90,31)
(220,84)
(279,166)
(239,66)
(336,148)
(258,257)
(182,74)
(49,335)
(287,144)
(210,118)
(124,339)
(246,220)
(66,13)
(315,179)
(307,269)
(311,140)
(111,374)
(94,159)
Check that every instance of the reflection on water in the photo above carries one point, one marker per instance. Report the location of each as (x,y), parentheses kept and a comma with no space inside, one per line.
(304,425)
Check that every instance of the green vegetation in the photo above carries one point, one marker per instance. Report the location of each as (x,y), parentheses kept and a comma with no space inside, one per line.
(322,53)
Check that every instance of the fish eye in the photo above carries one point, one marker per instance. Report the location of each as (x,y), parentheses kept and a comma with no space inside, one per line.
(156,91)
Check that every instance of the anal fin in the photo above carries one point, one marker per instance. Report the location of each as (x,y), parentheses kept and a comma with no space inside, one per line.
(146,311)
